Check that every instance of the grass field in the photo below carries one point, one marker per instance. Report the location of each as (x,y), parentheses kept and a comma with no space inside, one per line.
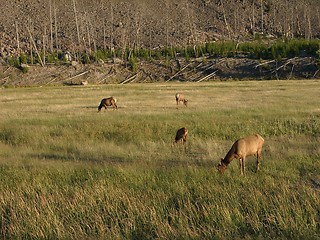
(68,172)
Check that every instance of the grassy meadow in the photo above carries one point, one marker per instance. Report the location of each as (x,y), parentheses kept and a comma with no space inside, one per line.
(68,172)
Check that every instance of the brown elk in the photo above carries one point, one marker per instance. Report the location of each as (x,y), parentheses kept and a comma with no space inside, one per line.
(242,148)
(111,101)
(180,98)
(181,135)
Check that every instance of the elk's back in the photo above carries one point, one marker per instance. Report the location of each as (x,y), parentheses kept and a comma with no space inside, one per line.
(249,145)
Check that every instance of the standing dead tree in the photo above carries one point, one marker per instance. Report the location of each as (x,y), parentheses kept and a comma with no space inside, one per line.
(225,20)
(35,46)
(56,28)
(76,20)
(17,36)
(51,26)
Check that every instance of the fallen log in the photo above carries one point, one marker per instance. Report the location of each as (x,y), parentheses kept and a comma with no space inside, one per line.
(208,76)
(78,75)
(129,79)
(178,72)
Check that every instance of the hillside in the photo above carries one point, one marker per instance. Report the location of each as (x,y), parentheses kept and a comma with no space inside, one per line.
(86,26)
(148,23)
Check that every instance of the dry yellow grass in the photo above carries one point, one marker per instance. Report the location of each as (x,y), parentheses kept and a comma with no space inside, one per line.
(70,172)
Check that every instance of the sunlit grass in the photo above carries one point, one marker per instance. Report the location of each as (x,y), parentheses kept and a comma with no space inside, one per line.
(70,172)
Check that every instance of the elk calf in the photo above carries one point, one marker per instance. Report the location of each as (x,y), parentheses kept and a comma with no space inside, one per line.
(242,148)
(181,135)
(180,98)
(111,101)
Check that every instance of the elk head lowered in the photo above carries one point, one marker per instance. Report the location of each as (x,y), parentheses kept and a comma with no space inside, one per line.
(180,98)
(181,135)
(242,148)
(111,101)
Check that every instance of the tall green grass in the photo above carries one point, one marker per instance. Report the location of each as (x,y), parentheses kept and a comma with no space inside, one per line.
(67,171)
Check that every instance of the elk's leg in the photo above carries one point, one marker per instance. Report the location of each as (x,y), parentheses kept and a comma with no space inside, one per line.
(185,145)
(244,165)
(258,160)
(240,165)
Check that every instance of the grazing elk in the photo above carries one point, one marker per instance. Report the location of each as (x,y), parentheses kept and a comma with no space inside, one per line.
(180,98)
(242,148)
(111,101)
(181,135)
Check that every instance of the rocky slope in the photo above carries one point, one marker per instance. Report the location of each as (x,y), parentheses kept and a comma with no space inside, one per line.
(79,25)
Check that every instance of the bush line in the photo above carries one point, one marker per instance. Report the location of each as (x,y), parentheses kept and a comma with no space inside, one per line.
(257,49)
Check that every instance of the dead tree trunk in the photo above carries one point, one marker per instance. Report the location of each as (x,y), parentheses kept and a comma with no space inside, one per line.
(17,36)
(51,27)
(76,20)
(56,29)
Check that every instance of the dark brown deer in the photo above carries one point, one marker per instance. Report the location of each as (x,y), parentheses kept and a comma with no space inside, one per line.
(181,135)
(111,101)
(242,148)
(180,98)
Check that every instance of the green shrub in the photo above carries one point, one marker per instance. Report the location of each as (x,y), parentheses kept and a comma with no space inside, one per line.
(85,58)
(23,59)
(14,61)
(318,57)
(133,63)
(24,68)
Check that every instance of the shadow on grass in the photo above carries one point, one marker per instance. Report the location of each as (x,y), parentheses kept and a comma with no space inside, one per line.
(102,110)
(74,158)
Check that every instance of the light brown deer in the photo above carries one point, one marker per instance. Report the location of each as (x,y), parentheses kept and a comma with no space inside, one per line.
(242,148)
(180,98)
(111,101)
(181,135)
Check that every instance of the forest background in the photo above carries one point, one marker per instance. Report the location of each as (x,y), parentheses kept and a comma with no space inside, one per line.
(154,40)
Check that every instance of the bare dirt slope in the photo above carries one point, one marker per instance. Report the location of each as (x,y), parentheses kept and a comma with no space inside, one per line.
(199,70)
(62,24)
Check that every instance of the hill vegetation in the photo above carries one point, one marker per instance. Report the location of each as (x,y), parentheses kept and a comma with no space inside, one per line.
(100,24)
(158,39)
